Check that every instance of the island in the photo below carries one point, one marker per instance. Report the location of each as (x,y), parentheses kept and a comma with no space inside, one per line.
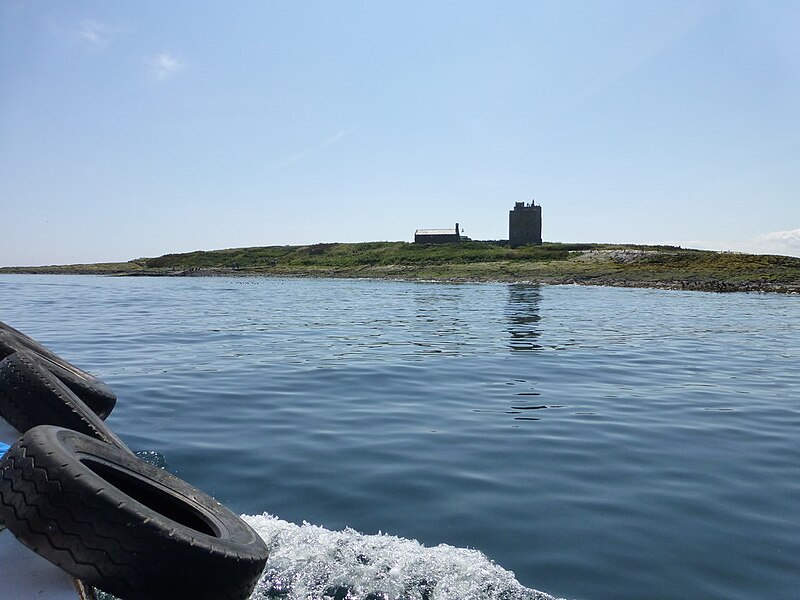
(625,265)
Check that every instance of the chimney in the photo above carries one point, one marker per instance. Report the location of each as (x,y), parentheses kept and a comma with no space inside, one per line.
(457,230)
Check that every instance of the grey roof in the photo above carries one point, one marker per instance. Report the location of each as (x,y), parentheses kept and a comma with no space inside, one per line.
(451,231)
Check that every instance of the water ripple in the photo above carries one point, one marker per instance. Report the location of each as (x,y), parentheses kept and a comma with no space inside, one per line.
(599,443)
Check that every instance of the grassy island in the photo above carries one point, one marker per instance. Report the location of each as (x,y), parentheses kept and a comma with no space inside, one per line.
(553,263)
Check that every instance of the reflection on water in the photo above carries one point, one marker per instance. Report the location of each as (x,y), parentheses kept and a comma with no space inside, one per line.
(523,317)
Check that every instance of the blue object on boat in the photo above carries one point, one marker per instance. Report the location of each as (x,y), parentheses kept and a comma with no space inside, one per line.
(3,449)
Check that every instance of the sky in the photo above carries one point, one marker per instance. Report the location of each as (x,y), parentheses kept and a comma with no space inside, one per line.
(135,129)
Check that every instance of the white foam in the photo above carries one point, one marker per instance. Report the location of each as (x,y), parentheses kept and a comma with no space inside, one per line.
(308,562)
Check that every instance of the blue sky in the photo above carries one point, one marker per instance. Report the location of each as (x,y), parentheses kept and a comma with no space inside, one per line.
(132,129)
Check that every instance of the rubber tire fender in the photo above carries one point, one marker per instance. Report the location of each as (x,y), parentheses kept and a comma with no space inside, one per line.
(94,392)
(122,525)
(32,395)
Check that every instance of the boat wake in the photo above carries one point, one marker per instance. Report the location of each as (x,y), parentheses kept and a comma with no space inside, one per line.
(313,563)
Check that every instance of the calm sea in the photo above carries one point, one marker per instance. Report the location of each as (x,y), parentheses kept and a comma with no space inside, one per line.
(599,443)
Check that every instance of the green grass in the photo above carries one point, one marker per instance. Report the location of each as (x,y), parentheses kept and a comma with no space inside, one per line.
(80,269)
(607,264)
(355,255)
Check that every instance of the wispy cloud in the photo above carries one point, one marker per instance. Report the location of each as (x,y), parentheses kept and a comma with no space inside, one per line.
(94,33)
(786,242)
(338,136)
(790,236)
(288,160)
(332,139)
(165,66)
(782,242)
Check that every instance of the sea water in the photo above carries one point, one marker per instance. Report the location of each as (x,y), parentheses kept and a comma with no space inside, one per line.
(434,441)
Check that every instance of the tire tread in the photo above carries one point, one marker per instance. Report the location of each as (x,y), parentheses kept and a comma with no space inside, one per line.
(81,528)
(30,395)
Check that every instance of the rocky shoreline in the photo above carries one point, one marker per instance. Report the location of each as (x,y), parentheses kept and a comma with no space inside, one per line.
(717,286)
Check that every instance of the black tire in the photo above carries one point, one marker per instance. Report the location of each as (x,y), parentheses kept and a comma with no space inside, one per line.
(122,525)
(95,393)
(31,395)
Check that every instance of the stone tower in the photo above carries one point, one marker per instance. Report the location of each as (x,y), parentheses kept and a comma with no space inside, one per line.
(525,225)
